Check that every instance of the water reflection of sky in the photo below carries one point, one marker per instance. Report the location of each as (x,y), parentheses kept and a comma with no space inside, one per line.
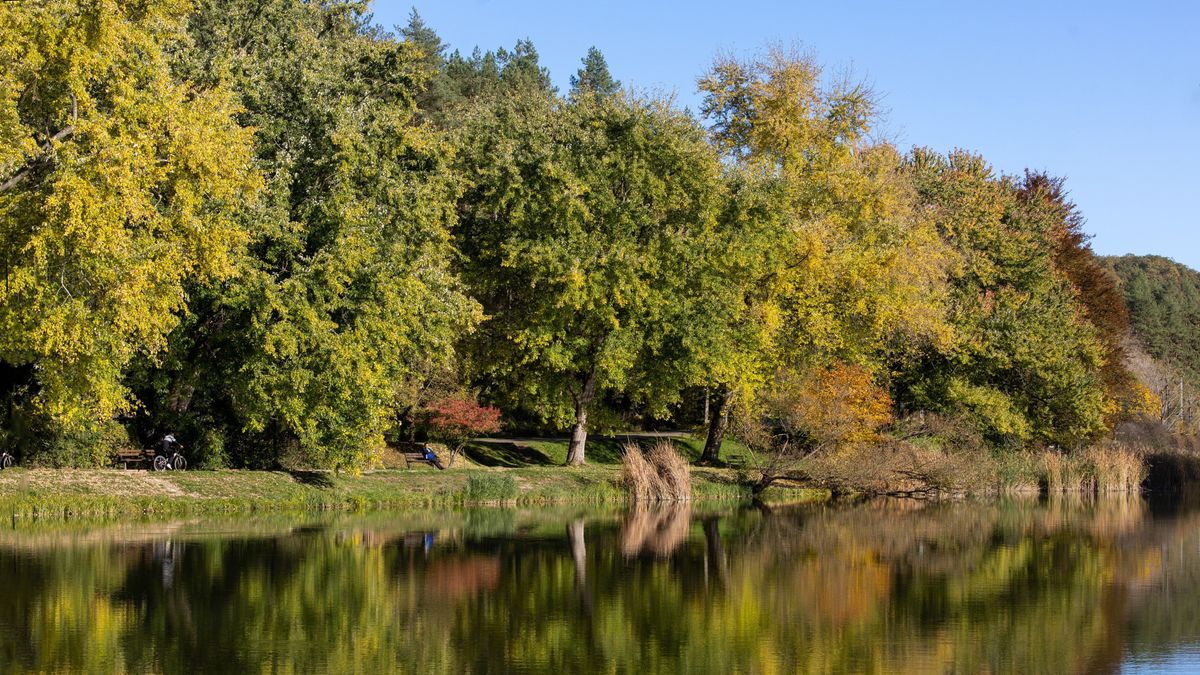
(1185,660)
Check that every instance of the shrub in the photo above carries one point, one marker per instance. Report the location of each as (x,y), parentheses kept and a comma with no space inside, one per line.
(87,447)
(821,410)
(209,450)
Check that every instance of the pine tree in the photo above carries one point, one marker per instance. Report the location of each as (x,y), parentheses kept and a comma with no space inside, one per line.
(594,76)
(418,33)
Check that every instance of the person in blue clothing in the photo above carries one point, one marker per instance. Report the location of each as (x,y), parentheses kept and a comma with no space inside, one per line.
(432,458)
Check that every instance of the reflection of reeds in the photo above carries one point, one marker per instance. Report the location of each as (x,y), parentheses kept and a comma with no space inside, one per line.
(660,475)
(658,530)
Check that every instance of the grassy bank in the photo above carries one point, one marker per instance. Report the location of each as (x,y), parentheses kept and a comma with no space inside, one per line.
(528,472)
(64,493)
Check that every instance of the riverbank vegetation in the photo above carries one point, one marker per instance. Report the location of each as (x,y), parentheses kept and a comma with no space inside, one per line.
(296,240)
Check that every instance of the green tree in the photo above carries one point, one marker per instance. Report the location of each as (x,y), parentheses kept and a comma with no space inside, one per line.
(435,91)
(841,266)
(1163,297)
(594,76)
(1096,287)
(1025,360)
(465,80)
(580,227)
(119,182)
(347,285)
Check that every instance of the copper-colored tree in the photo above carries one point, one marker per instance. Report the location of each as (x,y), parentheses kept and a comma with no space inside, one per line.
(820,410)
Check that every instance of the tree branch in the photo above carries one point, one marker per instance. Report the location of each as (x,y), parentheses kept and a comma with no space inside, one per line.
(24,173)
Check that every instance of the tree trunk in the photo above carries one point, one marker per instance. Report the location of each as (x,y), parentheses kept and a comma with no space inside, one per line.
(579,554)
(717,427)
(575,453)
(578,551)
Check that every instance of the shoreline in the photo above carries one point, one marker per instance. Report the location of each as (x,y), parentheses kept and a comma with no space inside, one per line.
(107,494)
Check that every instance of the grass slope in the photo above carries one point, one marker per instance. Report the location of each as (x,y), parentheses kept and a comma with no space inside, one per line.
(532,466)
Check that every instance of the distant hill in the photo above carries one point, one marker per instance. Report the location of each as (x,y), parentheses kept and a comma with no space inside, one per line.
(1163,297)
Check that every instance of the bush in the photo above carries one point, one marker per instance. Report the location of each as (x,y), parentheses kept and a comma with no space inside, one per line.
(897,467)
(490,488)
(209,450)
(660,475)
(89,447)
(454,420)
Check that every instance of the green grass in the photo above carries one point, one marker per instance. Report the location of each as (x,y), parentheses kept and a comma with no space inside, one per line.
(520,472)
(490,488)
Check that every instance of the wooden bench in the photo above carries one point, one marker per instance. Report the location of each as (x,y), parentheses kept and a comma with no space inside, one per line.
(136,456)
(417,456)
(149,458)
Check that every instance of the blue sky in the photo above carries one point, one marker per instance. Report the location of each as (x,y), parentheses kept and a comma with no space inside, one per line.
(1106,94)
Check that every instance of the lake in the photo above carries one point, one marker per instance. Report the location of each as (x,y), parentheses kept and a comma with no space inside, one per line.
(1021,586)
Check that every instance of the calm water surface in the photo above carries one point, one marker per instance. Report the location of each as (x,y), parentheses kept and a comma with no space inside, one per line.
(888,586)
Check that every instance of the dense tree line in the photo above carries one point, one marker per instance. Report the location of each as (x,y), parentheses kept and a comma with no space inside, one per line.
(1163,298)
(284,232)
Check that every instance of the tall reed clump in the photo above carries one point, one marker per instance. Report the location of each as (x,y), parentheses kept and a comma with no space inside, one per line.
(1116,467)
(1111,467)
(1065,473)
(658,475)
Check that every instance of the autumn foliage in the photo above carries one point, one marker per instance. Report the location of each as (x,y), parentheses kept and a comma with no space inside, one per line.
(829,407)
(456,419)
(820,410)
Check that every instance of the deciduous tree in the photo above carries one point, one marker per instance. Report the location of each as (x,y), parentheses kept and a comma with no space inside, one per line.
(579,228)
(347,286)
(119,183)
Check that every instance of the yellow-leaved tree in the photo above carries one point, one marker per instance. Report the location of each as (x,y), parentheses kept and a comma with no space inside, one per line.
(842,265)
(118,182)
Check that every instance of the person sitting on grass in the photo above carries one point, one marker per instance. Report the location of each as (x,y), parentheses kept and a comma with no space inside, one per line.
(432,457)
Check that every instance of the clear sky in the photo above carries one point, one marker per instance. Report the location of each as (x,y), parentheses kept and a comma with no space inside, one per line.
(1104,93)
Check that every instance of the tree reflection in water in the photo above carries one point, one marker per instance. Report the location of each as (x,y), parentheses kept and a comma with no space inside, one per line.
(885,586)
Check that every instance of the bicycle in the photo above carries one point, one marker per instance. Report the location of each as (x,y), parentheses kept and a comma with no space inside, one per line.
(170,459)
(175,462)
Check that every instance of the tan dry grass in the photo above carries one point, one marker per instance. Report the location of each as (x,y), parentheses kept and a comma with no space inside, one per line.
(1109,467)
(658,475)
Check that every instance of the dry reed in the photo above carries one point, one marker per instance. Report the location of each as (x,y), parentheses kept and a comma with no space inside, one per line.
(655,529)
(659,475)
(1110,467)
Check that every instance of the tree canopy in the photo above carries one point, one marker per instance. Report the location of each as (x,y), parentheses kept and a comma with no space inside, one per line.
(120,183)
(579,228)
(288,234)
